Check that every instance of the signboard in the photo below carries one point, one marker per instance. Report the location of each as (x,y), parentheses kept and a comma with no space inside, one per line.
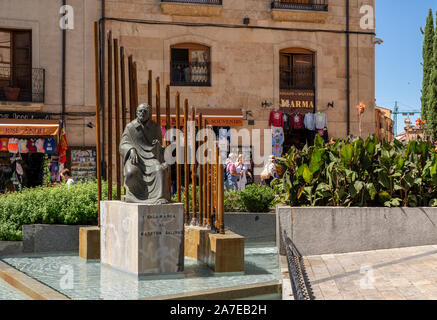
(297,101)
(83,163)
(15,127)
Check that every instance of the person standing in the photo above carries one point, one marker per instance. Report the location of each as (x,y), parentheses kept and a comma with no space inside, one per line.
(269,172)
(231,173)
(66,176)
(242,168)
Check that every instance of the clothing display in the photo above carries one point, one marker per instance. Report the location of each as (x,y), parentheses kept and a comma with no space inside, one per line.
(13,145)
(277,131)
(22,146)
(320,120)
(40,145)
(309,121)
(276,118)
(4,144)
(31,148)
(297,121)
(50,146)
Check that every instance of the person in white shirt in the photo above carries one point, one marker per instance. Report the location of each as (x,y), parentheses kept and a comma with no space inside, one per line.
(242,168)
(66,176)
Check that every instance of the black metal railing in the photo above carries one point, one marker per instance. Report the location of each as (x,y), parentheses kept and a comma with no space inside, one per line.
(314,5)
(215,2)
(300,78)
(190,74)
(300,283)
(30,82)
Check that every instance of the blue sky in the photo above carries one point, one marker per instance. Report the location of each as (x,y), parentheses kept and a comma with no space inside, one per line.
(399,58)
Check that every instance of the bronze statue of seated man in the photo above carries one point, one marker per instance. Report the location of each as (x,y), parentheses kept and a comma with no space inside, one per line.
(145,171)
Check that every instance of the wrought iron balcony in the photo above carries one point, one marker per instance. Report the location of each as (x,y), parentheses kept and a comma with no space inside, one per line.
(213,2)
(196,74)
(311,5)
(22,84)
(297,78)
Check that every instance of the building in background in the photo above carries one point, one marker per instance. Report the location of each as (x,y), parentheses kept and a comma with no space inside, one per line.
(384,124)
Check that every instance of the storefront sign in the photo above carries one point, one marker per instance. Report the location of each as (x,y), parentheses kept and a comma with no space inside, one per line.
(24,115)
(297,99)
(215,121)
(13,127)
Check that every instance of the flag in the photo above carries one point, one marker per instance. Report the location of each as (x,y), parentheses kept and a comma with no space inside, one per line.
(63,145)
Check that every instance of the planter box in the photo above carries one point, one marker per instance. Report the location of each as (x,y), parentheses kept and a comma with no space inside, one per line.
(44,238)
(254,227)
(10,247)
(330,230)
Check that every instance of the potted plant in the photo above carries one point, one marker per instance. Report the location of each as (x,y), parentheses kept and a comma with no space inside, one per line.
(11,92)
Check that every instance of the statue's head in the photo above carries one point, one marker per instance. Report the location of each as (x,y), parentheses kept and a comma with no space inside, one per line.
(144,112)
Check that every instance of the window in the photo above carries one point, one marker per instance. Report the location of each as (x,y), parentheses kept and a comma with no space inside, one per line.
(16,62)
(190,65)
(296,69)
(317,5)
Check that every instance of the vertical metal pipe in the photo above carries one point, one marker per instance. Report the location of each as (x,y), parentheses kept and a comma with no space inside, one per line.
(200,168)
(135,84)
(348,90)
(217,188)
(205,179)
(149,89)
(209,180)
(186,169)
(64,54)
(117,119)
(220,200)
(98,143)
(158,102)
(178,147)
(193,165)
(167,124)
(123,88)
(109,178)
(131,89)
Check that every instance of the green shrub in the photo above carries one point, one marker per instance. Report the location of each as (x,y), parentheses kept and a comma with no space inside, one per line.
(257,198)
(49,205)
(233,202)
(359,173)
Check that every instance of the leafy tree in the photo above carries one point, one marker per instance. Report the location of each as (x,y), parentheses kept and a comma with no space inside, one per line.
(428,50)
(432,95)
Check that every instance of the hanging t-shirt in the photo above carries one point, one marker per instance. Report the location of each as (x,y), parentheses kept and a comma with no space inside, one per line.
(13,145)
(22,145)
(40,145)
(277,131)
(31,147)
(309,121)
(297,121)
(4,144)
(320,120)
(50,146)
(276,118)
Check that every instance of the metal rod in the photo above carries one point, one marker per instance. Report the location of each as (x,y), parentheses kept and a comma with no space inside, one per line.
(200,166)
(217,187)
(149,89)
(158,102)
(205,179)
(123,88)
(98,142)
(131,89)
(135,85)
(167,125)
(110,75)
(117,119)
(209,180)
(178,145)
(193,165)
(186,168)
(220,200)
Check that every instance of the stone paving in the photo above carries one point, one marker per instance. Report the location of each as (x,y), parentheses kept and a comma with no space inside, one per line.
(393,274)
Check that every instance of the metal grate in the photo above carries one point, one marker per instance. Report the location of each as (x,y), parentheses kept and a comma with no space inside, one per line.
(313,5)
(297,78)
(299,280)
(30,81)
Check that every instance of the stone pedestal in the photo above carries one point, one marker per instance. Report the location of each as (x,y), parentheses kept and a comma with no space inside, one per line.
(89,243)
(221,252)
(142,239)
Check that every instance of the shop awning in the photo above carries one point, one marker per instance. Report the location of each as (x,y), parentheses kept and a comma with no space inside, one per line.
(214,117)
(28,127)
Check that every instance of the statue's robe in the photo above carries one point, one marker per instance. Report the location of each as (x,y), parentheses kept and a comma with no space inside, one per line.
(147,180)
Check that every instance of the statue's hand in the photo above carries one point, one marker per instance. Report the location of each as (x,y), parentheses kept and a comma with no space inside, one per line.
(164,166)
(133,156)
(155,142)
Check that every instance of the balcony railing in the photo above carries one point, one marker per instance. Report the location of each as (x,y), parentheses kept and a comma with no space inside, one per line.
(214,2)
(195,74)
(312,5)
(31,83)
(297,78)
